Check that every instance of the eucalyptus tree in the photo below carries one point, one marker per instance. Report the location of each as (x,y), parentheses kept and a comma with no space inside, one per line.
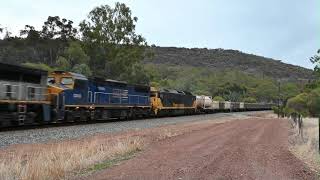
(316,60)
(110,39)
(314,103)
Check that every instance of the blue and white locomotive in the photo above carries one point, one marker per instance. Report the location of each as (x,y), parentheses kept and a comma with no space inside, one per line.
(96,98)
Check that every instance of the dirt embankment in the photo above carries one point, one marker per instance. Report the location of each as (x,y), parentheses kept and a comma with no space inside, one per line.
(256,148)
(251,146)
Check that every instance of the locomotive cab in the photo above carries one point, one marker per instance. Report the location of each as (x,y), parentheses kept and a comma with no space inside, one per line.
(67,91)
(59,81)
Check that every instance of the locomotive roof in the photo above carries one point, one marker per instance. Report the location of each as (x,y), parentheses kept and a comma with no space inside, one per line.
(102,80)
(115,81)
(78,76)
(173,91)
(21,69)
(74,75)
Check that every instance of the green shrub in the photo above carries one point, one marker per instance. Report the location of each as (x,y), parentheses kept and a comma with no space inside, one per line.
(218,98)
(249,100)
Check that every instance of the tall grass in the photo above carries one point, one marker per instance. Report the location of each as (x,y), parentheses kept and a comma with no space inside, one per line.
(61,160)
(66,159)
(305,145)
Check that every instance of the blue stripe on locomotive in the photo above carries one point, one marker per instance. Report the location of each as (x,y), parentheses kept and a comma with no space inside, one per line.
(76,96)
(101,92)
(117,93)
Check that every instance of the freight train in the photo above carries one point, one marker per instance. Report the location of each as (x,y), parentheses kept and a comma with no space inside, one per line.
(30,96)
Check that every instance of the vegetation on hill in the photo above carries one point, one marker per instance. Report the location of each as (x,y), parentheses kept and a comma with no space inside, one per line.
(230,85)
(307,103)
(220,59)
(105,44)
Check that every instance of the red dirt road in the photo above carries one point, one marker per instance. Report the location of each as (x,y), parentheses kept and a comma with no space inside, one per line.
(246,149)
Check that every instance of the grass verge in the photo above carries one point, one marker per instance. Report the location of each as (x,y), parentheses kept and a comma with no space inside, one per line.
(70,159)
(111,162)
(62,160)
(305,146)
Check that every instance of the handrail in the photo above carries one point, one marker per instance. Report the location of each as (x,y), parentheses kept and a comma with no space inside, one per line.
(120,97)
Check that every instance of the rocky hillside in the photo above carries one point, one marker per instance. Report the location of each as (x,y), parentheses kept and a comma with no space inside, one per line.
(219,59)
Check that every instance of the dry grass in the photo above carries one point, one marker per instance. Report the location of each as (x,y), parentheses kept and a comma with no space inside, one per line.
(306,147)
(63,159)
(68,159)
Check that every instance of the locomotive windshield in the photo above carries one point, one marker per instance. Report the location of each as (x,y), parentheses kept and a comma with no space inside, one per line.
(66,81)
(51,81)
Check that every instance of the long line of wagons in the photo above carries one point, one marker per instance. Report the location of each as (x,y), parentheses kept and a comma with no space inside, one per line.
(32,96)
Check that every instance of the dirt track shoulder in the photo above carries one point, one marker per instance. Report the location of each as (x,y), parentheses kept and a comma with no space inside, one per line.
(247,149)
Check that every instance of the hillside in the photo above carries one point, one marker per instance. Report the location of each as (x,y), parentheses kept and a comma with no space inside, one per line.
(21,51)
(230,74)
(219,59)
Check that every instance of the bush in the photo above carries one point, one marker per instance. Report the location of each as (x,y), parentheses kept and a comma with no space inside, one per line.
(218,98)
(299,104)
(249,100)
(314,102)
(38,66)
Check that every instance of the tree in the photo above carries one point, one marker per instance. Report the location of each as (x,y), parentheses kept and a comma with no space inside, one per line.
(137,74)
(289,90)
(314,102)
(316,60)
(38,66)
(266,91)
(63,64)
(299,104)
(31,34)
(218,98)
(56,28)
(298,107)
(75,54)
(111,41)
(7,34)
(74,59)
(55,35)
(232,91)
(314,107)
(249,100)
(82,69)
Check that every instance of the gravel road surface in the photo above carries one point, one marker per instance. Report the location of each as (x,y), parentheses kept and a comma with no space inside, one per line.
(77,131)
(247,149)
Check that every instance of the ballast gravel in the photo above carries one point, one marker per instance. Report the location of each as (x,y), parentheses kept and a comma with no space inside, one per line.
(42,135)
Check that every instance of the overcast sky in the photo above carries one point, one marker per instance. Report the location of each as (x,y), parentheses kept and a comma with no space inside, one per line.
(286,30)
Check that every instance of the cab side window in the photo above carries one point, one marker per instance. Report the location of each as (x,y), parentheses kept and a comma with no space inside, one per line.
(51,81)
(8,91)
(31,92)
(80,84)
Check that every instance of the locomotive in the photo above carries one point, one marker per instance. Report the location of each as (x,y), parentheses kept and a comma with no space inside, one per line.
(31,96)
(23,96)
